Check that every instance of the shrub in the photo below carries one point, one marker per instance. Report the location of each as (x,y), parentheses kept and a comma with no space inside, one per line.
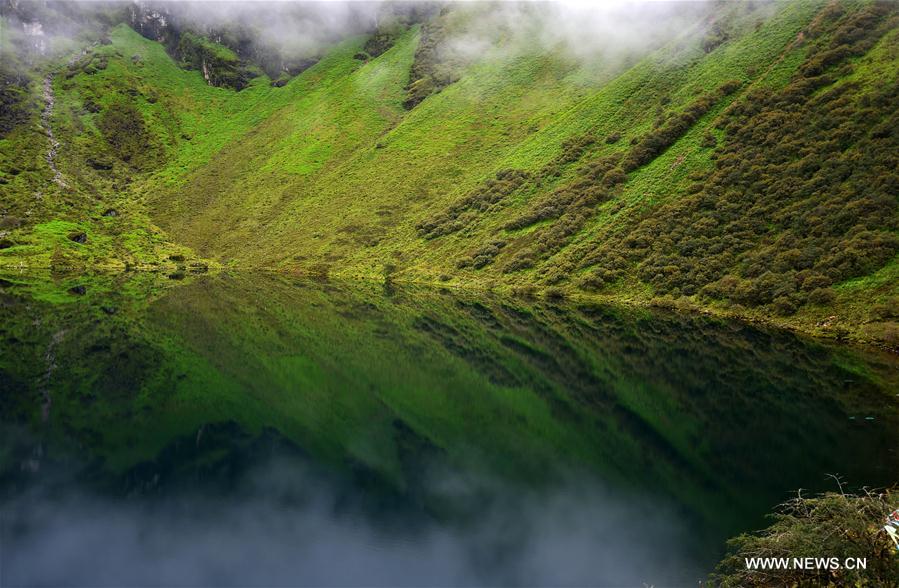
(784,306)
(831,524)
(554,293)
(673,128)
(378,43)
(524,259)
(890,335)
(527,291)
(613,177)
(483,256)
(434,66)
(822,296)
(123,127)
(888,309)
(460,214)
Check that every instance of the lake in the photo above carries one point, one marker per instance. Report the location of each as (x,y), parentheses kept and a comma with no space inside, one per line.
(253,430)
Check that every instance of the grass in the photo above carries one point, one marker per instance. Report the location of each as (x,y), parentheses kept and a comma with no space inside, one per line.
(330,174)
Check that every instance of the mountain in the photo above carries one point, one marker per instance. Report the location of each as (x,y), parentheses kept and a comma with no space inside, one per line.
(742,159)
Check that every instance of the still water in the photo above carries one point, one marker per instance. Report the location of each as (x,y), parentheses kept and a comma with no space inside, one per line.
(256,430)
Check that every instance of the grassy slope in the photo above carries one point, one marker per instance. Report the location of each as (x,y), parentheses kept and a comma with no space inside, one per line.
(330,174)
(501,115)
(39,215)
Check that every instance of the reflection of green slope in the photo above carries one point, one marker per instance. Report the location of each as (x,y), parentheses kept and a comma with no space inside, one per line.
(343,366)
(723,418)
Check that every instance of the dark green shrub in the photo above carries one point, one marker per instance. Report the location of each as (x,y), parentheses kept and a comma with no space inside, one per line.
(822,296)
(378,43)
(467,210)
(555,294)
(434,67)
(124,129)
(482,256)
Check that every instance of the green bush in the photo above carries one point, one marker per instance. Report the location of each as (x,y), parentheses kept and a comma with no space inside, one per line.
(124,129)
(482,256)
(460,214)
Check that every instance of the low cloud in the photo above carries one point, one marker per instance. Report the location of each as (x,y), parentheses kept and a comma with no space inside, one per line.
(612,29)
(284,523)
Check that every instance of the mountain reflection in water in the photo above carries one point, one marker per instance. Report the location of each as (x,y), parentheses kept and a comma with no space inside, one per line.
(260,430)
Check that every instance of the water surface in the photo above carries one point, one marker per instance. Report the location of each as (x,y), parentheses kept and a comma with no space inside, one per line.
(260,430)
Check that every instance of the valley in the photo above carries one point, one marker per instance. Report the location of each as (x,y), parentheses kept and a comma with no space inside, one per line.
(744,165)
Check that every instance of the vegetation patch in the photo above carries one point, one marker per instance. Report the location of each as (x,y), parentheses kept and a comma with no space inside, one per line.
(802,195)
(839,525)
(220,66)
(124,129)
(435,66)
(15,98)
(480,201)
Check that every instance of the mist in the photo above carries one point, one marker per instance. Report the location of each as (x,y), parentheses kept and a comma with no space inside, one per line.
(293,28)
(587,31)
(604,31)
(284,523)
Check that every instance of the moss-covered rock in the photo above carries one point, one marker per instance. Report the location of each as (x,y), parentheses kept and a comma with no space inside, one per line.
(219,65)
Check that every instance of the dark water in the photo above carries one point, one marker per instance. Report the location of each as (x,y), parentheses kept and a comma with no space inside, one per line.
(253,430)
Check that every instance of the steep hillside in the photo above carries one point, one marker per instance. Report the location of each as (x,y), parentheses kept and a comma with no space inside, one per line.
(746,165)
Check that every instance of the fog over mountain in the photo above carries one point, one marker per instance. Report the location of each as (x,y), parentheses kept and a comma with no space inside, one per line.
(298,28)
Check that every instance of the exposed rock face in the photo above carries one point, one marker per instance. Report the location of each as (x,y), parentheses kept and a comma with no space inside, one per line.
(37,24)
(157,21)
(219,66)
(152,21)
(194,46)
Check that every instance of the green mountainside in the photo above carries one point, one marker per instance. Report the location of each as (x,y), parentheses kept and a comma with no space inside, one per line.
(747,166)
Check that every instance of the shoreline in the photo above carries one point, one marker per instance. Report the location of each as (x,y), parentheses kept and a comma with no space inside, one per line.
(844,333)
